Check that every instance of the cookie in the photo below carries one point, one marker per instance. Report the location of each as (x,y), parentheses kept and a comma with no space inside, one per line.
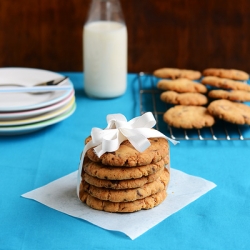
(188,117)
(101,171)
(233,112)
(234,95)
(121,184)
(195,99)
(123,207)
(181,85)
(175,73)
(125,195)
(233,74)
(224,83)
(127,155)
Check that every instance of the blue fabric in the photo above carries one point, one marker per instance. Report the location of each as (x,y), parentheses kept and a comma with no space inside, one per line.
(218,220)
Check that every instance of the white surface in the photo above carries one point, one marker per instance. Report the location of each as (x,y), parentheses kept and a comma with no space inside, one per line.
(61,195)
(28,77)
(9,116)
(105,58)
(24,129)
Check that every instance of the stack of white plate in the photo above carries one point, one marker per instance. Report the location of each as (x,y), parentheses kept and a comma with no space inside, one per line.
(24,112)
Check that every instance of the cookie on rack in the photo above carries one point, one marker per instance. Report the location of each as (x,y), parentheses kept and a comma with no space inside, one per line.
(232,112)
(106,172)
(188,117)
(233,74)
(193,99)
(233,95)
(181,85)
(123,207)
(224,83)
(130,194)
(126,155)
(175,73)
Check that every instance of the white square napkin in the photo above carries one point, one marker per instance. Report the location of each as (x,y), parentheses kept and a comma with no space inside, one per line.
(61,195)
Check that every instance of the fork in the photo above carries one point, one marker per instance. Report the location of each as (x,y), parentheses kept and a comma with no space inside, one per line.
(38,88)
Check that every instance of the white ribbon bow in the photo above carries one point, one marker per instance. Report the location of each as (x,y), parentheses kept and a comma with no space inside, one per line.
(118,130)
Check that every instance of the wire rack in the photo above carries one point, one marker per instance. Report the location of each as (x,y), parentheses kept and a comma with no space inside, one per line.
(150,101)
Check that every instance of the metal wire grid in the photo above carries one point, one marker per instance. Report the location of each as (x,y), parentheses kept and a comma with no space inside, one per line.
(150,101)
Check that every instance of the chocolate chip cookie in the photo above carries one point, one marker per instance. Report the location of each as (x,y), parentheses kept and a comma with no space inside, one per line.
(105,172)
(195,99)
(181,85)
(123,207)
(224,83)
(127,155)
(188,117)
(233,112)
(125,195)
(233,74)
(234,95)
(121,184)
(175,73)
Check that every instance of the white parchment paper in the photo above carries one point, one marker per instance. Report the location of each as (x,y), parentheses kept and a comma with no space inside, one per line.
(61,195)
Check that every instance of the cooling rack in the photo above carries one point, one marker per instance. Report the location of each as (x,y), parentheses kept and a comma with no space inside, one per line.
(150,102)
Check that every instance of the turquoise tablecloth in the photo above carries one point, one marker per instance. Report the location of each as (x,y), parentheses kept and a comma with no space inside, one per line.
(218,220)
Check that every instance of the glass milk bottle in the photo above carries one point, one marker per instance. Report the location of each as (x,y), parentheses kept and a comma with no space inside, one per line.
(105,50)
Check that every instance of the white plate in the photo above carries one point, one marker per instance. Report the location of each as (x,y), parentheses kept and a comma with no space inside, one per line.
(39,118)
(9,116)
(29,77)
(24,129)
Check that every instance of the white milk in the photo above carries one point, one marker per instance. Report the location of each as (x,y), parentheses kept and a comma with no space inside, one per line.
(105,59)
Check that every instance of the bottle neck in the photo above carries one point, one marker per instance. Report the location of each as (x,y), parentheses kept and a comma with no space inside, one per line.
(105,10)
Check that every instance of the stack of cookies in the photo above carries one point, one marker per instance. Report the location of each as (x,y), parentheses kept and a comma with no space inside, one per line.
(187,96)
(195,106)
(126,180)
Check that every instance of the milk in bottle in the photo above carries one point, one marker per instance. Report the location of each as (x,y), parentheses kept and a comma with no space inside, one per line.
(105,50)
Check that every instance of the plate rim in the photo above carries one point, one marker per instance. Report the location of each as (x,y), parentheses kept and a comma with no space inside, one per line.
(37,105)
(5,116)
(39,118)
(29,128)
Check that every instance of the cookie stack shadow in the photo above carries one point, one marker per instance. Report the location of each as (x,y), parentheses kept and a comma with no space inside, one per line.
(200,99)
(126,180)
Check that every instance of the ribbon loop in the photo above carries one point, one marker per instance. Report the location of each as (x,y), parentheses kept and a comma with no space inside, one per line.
(137,130)
(146,120)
